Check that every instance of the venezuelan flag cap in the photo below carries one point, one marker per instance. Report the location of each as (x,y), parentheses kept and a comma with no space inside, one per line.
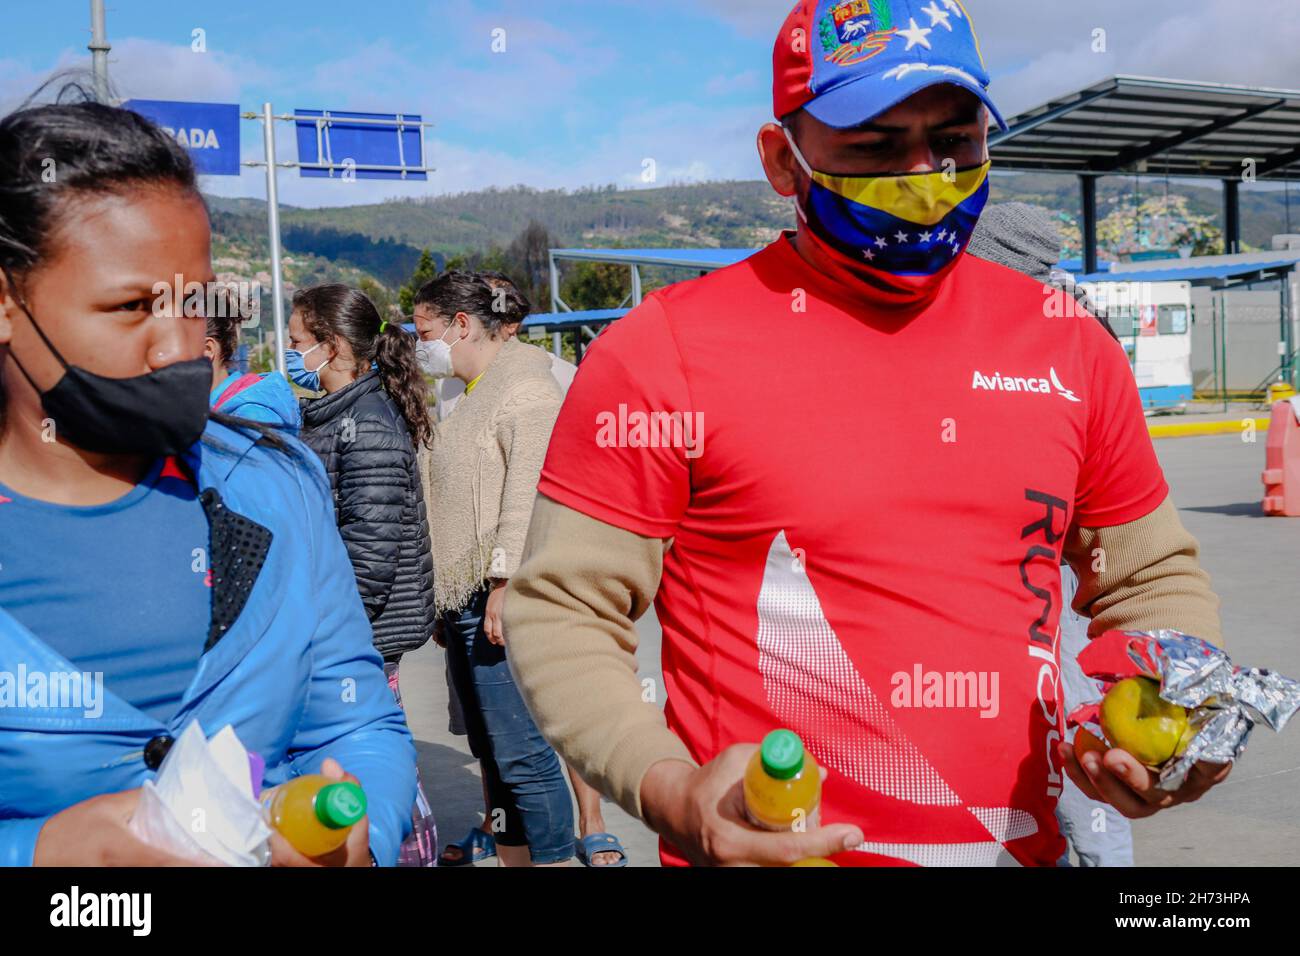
(847,61)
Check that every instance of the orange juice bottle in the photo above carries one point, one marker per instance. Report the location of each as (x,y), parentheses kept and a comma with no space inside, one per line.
(314,813)
(782,787)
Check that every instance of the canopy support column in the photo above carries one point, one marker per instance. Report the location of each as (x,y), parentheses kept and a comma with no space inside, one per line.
(1231,218)
(1088,193)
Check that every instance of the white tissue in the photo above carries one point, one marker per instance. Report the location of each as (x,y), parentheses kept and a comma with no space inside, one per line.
(201,805)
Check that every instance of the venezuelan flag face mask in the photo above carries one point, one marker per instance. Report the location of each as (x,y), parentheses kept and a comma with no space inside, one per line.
(906,228)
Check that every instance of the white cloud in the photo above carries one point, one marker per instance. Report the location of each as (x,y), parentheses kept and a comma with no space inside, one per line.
(146,69)
(685,141)
(1038,50)
(524,116)
(1218,41)
(161,71)
(739,83)
(295,190)
(751,17)
(466,169)
(1011,33)
(17,82)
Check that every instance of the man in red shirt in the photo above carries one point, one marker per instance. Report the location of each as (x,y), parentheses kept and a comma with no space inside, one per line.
(846,471)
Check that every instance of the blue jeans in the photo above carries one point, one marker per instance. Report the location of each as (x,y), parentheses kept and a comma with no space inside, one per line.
(1099,833)
(525,780)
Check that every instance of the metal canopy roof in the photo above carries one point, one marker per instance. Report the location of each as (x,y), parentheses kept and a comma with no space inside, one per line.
(1151,125)
(1219,274)
(685,258)
(564,321)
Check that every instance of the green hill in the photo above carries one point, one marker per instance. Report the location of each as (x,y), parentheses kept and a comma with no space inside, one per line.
(384,240)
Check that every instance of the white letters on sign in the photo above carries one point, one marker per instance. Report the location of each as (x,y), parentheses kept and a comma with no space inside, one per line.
(194,138)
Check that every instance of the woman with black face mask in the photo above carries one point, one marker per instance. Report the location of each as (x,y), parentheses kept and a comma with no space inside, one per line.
(162,565)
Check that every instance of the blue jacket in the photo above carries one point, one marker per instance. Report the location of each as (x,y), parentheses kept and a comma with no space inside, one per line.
(269,399)
(289,662)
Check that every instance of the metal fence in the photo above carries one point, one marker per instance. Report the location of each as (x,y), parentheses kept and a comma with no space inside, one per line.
(1236,336)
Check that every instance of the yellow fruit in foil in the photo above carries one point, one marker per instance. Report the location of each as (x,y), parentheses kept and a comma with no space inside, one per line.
(1136,719)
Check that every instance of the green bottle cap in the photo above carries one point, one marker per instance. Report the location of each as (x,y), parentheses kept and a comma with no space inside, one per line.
(340,805)
(782,754)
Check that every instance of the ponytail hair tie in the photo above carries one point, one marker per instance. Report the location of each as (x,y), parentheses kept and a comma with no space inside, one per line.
(383,325)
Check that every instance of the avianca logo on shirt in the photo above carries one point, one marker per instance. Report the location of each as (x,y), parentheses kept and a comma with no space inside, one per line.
(997,382)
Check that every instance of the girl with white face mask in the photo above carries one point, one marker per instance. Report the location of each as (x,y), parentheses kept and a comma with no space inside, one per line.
(435,337)
(366,429)
(435,356)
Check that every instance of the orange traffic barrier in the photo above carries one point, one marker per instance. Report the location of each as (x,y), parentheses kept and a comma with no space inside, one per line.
(1282,462)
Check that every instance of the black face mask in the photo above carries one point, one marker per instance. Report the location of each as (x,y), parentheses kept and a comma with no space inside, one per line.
(159,413)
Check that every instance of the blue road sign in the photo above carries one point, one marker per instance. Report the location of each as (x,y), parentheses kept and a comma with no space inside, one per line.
(360,146)
(210,131)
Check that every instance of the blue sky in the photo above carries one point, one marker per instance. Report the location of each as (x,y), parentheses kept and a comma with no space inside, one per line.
(585,91)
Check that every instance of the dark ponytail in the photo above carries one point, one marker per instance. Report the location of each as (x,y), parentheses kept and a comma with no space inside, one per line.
(224,330)
(404,381)
(339,311)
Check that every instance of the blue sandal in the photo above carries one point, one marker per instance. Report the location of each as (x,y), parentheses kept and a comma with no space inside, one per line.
(475,848)
(594,843)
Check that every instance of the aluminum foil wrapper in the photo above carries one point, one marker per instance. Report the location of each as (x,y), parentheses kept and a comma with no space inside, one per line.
(1224,701)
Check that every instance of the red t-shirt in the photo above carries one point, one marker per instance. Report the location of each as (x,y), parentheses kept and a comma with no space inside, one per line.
(868,514)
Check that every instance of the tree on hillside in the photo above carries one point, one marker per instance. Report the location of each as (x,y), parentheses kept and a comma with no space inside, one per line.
(595,285)
(525,261)
(475,261)
(425,270)
(381,297)
(1159,223)
(530,263)
(518,262)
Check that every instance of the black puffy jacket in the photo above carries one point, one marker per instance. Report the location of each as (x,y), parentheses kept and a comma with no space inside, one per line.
(362,438)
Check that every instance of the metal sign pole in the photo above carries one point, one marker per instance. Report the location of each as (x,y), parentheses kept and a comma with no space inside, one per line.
(555,280)
(99,48)
(1292,284)
(273,231)
(1287,373)
(1223,344)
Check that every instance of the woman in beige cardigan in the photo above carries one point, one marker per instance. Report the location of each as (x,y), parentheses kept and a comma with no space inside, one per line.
(480,474)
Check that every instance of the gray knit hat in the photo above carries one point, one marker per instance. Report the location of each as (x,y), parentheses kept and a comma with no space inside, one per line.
(1025,238)
(1018,236)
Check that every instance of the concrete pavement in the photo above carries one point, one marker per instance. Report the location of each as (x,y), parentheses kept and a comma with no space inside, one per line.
(451,775)
(1253,818)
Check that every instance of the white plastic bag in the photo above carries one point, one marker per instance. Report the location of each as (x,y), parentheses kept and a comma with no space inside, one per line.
(201,806)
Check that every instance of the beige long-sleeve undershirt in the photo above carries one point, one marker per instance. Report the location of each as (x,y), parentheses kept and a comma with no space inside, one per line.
(570,611)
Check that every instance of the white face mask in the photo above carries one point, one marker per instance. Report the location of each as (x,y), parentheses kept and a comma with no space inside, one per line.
(435,357)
